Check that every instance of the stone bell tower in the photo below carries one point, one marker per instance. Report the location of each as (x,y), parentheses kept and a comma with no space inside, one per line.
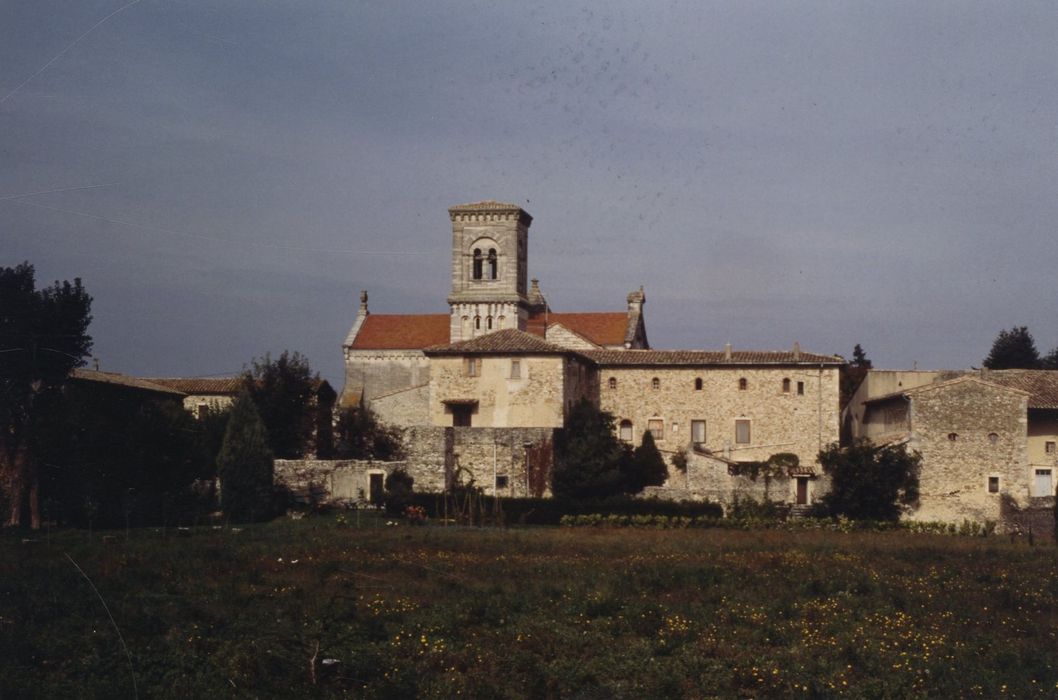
(490,247)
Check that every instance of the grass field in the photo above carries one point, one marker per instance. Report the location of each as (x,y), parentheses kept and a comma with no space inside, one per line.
(310,608)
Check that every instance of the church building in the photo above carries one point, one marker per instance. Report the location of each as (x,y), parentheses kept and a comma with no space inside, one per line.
(503,369)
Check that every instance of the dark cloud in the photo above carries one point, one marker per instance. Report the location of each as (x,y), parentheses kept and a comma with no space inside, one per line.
(862,173)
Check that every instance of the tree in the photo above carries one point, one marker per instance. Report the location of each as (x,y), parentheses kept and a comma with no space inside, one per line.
(859,358)
(647,468)
(282,390)
(361,436)
(870,482)
(1013,349)
(589,459)
(43,336)
(245,464)
(399,487)
(1050,360)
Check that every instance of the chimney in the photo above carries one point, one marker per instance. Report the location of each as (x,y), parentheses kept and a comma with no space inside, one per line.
(636,300)
(727,351)
(796,351)
(363,303)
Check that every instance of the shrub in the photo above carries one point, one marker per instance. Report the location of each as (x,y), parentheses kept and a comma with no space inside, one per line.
(245,464)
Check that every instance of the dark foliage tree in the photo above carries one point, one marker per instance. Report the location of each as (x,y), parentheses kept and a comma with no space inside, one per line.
(1050,360)
(870,482)
(859,358)
(211,426)
(361,436)
(245,465)
(646,467)
(398,487)
(282,390)
(43,336)
(1013,349)
(590,462)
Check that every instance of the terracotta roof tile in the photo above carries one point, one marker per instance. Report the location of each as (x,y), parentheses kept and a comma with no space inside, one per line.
(116,379)
(402,331)
(1041,384)
(708,357)
(506,341)
(201,385)
(602,328)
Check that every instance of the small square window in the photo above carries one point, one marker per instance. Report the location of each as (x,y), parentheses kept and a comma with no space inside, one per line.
(1049,447)
(656,426)
(800,388)
(698,384)
(993,484)
(516,369)
(626,430)
(743,384)
(472,366)
(612,383)
(502,481)
(698,431)
(952,437)
(742,436)
(655,383)
(786,386)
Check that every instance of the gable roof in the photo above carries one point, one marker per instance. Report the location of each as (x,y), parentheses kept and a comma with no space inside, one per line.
(200,385)
(125,380)
(615,358)
(600,327)
(507,341)
(402,331)
(924,388)
(1040,384)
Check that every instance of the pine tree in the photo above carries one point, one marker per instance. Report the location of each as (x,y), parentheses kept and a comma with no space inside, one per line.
(859,358)
(244,465)
(1013,349)
(648,467)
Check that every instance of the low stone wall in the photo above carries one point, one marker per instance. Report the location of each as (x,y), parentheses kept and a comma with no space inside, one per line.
(330,481)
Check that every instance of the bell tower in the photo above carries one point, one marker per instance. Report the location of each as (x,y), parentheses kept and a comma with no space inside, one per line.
(490,247)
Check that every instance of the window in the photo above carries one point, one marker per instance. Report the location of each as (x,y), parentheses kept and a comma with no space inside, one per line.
(626,430)
(471,366)
(786,385)
(742,431)
(993,438)
(1048,447)
(477,263)
(697,431)
(493,268)
(516,369)
(502,481)
(698,384)
(202,410)
(461,415)
(993,484)
(952,437)
(1043,485)
(743,384)
(655,383)
(488,322)
(477,323)
(800,388)
(656,426)
(612,383)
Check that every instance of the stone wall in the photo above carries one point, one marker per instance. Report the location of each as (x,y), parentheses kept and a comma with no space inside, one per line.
(779,421)
(389,374)
(333,481)
(532,399)
(406,407)
(968,431)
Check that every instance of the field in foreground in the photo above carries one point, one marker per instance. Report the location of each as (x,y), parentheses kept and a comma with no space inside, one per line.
(308,608)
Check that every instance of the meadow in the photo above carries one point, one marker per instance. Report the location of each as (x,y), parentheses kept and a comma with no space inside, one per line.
(319,607)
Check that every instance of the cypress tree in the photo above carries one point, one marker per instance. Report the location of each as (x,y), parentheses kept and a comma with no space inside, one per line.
(244,465)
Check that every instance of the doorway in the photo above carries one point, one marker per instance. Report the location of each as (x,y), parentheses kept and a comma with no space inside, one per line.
(802,490)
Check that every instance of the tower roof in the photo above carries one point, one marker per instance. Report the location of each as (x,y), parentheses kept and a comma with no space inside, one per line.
(489,206)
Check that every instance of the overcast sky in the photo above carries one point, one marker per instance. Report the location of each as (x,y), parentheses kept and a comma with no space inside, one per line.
(831,173)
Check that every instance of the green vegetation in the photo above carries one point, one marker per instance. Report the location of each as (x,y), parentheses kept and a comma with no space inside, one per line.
(1016,349)
(310,608)
(282,391)
(245,465)
(869,482)
(360,435)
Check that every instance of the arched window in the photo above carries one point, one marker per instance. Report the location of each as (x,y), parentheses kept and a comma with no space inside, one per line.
(613,382)
(493,266)
(477,263)
(655,383)
(488,323)
(786,385)
(626,430)
(993,438)
(743,384)
(477,323)
(952,437)
(698,384)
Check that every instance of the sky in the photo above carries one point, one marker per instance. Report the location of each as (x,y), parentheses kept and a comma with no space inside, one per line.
(226,177)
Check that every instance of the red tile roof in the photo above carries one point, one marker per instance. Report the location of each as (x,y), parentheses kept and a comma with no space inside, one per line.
(506,341)
(706,357)
(201,385)
(1041,384)
(402,331)
(602,328)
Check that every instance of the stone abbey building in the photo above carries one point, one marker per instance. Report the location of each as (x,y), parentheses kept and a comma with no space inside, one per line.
(483,388)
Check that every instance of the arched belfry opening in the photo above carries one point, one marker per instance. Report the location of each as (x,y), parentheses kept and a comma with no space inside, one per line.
(490,243)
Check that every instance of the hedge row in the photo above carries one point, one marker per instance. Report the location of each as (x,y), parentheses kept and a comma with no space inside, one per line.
(966,528)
